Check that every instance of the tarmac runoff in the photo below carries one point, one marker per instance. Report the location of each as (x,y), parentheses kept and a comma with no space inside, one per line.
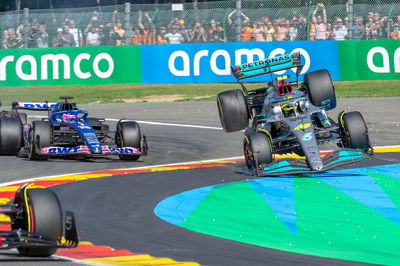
(286,218)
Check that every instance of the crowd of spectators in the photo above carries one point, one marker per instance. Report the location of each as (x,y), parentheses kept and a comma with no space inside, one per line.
(320,26)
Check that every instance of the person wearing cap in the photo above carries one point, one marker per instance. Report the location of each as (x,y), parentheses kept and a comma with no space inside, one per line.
(340,32)
(319,22)
(57,40)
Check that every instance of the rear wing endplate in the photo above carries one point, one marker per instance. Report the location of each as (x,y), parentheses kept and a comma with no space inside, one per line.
(268,65)
(34,106)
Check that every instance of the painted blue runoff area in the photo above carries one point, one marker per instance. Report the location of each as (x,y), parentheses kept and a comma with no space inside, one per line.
(278,193)
(175,209)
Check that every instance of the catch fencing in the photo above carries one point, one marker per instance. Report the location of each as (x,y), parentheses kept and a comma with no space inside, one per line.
(27,24)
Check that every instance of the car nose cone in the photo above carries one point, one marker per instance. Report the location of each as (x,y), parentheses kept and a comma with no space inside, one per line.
(317,165)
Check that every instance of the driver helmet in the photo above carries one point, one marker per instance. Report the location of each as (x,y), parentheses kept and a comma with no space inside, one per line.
(284,88)
(69,118)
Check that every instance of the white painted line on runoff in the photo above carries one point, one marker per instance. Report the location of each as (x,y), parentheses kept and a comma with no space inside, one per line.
(133,168)
(152,123)
(149,166)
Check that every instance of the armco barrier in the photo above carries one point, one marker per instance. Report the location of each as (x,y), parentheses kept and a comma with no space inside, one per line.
(70,66)
(210,62)
(369,60)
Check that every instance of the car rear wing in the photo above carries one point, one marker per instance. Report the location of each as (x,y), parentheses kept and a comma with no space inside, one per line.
(34,106)
(269,65)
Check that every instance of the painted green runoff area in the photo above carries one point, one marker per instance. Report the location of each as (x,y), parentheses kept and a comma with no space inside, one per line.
(346,214)
(113,93)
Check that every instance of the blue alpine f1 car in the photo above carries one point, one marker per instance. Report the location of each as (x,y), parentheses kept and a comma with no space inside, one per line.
(290,117)
(69,131)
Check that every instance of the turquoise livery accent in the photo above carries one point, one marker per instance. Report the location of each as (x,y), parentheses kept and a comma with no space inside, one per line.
(347,155)
(282,166)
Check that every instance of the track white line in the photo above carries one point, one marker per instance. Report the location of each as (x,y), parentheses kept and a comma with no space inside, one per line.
(133,168)
(148,166)
(152,123)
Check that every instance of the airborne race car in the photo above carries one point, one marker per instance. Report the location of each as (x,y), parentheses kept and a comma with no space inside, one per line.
(290,117)
(37,225)
(69,131)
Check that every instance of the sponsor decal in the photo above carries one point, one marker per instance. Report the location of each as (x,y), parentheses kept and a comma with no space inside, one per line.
(83,126)
(225,56)
(70,66)
(307,136)
(211,62)
(382,53)
(36,105)
(122,150)
(57,150)
(266,62)
(56,61)
(91,138)
(303,126)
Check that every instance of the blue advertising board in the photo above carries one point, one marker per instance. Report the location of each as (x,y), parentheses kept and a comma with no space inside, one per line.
(211,62)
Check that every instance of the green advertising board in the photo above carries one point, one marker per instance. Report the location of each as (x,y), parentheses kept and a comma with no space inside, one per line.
(369,60)
(70,66)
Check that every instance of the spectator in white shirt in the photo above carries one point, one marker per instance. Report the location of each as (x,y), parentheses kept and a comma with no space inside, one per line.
(174,37)
(93,37)
(340,31)
(78,37)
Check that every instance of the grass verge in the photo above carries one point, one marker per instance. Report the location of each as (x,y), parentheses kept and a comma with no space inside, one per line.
(118,93)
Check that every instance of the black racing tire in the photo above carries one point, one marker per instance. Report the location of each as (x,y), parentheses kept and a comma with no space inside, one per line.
(257,148)
(10,135)
(299,151)
(46,219)
(41,129)
(355,131)
(128,134)
(233,110)
(23,117)
(320,89)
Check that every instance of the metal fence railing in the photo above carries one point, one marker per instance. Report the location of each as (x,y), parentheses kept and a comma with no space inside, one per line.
(221,21)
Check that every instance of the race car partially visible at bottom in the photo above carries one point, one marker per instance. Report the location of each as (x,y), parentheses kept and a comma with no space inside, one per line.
(38,228)
(68,131)
(290,117)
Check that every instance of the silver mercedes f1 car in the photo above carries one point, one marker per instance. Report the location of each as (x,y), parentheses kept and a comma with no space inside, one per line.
(290,117)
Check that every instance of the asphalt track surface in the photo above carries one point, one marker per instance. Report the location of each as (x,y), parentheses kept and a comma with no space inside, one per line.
(118,211)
